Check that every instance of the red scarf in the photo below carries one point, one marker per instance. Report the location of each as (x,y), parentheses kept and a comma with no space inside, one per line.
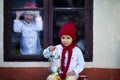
(63,68)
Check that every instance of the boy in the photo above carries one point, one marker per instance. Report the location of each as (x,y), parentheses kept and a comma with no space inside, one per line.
(70,56)
(29,29)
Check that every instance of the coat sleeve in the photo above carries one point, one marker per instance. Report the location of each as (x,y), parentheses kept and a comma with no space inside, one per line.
(17,26)
(80,62)
(39,23)
(46,53)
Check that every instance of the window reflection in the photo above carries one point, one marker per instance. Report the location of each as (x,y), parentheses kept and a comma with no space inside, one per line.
(68,3)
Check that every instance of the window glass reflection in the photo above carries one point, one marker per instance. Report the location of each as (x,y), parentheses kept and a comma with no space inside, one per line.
(68,3)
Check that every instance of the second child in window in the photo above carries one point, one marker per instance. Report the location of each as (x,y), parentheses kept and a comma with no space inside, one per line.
(29,28)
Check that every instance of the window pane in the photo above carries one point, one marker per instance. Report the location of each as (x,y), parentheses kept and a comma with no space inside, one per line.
(68,3)
(27,37)
(21,3)
(60,17)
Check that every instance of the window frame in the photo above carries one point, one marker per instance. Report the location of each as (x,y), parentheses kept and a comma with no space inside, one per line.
(88,56)
(48,20)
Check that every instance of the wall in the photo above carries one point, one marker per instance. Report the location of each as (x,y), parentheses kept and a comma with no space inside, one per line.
(106,44)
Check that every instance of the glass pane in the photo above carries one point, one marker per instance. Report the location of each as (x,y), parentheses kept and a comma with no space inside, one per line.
(61,17)
(21,3)
(27,33)
(68,3)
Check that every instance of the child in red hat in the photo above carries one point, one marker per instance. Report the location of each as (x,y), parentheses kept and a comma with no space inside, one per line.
(29,28)
(69,56)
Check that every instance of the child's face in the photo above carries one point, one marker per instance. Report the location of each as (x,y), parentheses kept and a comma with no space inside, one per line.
(66,40)
(28,17)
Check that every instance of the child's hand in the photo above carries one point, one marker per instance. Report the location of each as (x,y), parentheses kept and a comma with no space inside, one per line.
(52,48)
(18,14)
(71,73)
(37,14)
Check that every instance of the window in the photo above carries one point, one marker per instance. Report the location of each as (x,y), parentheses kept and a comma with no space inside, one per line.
(54,14)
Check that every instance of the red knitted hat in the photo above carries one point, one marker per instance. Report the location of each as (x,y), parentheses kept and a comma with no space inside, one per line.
(68,29)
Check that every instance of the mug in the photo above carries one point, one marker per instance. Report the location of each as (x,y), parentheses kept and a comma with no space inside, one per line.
(83,77)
